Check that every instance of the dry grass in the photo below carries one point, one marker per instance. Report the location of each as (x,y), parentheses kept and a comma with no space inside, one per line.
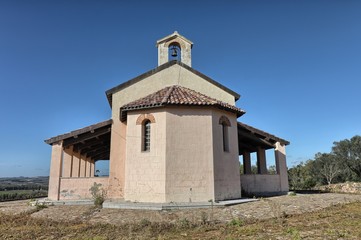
(336,222)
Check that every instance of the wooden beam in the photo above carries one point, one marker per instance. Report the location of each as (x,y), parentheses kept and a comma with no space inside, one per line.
(101,156)
(253,140)
(100,152)
(86,136)
(81,147)
(248,147)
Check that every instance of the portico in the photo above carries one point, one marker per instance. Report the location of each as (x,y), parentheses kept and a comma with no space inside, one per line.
(253,140)
(73,160)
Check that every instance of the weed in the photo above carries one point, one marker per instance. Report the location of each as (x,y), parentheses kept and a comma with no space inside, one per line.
(295,234)
(276,209)
(204,217)
(184,223)
(145,222)
(236,222)
(40,207)
(98,194)
(211,201)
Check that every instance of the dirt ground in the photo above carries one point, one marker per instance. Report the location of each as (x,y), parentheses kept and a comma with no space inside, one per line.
(265,208)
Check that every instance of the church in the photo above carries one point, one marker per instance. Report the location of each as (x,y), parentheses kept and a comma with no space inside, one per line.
(173,136)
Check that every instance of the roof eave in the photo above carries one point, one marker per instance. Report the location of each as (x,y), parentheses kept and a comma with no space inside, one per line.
(172,36)
(263,133)
(93,127)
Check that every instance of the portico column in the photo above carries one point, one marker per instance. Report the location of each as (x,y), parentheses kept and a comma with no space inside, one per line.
(281,166)
(88,167)
(67,161)
(247,168)
(92,170)
(82,166)
(55,170)
(76,165)
(261,161)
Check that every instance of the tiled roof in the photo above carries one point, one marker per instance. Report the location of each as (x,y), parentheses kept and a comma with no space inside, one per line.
(178,95)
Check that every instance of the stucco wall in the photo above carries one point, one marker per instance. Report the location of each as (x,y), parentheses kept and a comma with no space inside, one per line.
(145,171)
(78,188)
(189,155)
(260,184)
(169,76)
(117,159)
(174,75)
(226,163)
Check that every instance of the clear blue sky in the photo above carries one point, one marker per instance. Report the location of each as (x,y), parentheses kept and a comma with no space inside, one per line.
(296,64)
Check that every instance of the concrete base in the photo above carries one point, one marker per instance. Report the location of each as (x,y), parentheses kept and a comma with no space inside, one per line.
(66,202)
(265,194)
(121,204)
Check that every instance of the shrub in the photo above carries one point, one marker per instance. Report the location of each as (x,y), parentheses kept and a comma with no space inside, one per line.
(236,222)
(98,194)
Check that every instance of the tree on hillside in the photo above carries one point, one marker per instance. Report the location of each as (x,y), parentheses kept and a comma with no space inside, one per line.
(328,166)
(348,152)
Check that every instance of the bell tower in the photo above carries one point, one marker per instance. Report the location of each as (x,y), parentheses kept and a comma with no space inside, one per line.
(174,47)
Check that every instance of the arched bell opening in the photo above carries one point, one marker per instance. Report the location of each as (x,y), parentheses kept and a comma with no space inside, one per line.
(174,52)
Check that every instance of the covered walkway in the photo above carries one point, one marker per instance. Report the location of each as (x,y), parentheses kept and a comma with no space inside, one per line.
(253,140)
(73,160)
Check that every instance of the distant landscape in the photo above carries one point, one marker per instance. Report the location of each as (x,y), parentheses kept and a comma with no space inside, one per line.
(19,188)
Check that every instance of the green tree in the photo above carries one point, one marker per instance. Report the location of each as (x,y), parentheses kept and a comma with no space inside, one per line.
(272,169)
(327,166)
(348,153)
(302,176)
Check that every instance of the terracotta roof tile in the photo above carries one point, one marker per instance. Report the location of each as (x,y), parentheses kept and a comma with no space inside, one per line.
(178,95)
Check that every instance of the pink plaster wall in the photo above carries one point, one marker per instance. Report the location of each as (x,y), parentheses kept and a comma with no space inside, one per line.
(189,155)
(226,163)
(78,188)
(260,184)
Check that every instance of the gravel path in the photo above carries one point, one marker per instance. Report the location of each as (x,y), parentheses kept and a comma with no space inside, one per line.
(265,208)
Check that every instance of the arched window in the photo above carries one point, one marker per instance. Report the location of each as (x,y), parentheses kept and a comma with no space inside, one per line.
(145,120)
(225,137)
(146,135)
(224,121)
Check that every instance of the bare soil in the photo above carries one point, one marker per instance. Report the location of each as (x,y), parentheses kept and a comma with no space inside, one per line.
(285,217)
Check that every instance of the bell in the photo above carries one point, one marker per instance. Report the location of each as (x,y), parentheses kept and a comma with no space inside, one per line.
(174,52)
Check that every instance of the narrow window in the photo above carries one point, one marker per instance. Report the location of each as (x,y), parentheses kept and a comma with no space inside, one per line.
(225,137)
(146,136)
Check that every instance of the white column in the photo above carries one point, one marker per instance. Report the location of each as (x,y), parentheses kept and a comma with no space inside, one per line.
(55,170)
(261,161)
(82,166)
(67,162)
(76,165)
(88,167)
(247,167)
(281,166)
(92,170)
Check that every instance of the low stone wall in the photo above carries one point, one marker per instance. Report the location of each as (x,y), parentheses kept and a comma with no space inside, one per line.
(78,188)
(261,184)
(347,187)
